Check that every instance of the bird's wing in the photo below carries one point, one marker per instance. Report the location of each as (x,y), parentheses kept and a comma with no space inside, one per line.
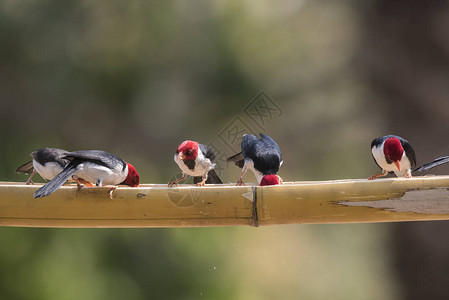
(45,155)
(208,153)
(272,145)
(409,152)
(97,156)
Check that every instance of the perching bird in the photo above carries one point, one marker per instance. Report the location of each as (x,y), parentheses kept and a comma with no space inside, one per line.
(196,160)
(393,154)
(436,162)
(48,162)
(96,166)
(261,155)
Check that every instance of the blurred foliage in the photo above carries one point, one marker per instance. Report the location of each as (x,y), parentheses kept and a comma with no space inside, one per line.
(211,263)
(138,77)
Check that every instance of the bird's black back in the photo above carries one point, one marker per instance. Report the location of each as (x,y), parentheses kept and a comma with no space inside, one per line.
(264,152)
(99,157)
(45,155)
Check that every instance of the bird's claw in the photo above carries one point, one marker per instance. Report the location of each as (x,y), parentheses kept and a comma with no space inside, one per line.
(111,192)
(202,183)
(384,173)
(80,182)
(175,182)
(29,181)
(240,182)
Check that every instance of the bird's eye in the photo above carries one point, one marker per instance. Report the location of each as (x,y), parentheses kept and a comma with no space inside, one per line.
(188,152)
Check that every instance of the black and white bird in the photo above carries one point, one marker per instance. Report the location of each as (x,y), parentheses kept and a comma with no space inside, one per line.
(47,162)
(393,154)
(435,163)
(197,160)
(261,155)
(95,166)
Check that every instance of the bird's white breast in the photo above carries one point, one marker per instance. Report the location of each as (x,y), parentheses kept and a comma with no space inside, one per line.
(50,170)
(94,172)
(250,165)
(202,165)
(379,156)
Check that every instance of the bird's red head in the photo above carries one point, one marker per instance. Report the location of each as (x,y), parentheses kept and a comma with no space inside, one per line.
(393,150)
(270,180)
(187,150)
(133,178)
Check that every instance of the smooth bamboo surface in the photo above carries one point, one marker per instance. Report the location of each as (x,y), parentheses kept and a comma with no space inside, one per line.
(312,202)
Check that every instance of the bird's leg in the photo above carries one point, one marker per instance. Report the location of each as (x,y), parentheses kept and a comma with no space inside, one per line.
(111,191)
(112,188)
(78,186)
(172,183)
(202,182)
(240,181)
(29,181)
(384,173)
(80,182)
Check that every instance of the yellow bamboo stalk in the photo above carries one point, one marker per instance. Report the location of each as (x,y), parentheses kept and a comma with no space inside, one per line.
(319,202)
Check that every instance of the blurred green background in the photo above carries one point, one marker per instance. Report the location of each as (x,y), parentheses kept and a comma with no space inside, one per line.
(136,78)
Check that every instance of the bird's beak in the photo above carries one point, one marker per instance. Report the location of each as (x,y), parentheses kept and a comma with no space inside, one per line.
(397,164)
(181,156)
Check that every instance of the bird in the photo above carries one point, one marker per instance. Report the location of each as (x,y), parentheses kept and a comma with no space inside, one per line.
(261,155)
(393,153)
(93,166)
(47,162)
(430,165)
(197,160)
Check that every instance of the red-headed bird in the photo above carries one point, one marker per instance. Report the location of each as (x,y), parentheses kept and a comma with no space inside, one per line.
(47,162)
(95,166)
(261,155)
(197,160)
(393,154)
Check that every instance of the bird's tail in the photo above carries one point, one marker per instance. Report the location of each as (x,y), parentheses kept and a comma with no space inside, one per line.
(26,168)
(238,159)
(212,177)
(433,164)
(56,182)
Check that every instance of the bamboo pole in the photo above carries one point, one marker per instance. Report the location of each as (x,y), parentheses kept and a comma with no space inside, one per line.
(319,202)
